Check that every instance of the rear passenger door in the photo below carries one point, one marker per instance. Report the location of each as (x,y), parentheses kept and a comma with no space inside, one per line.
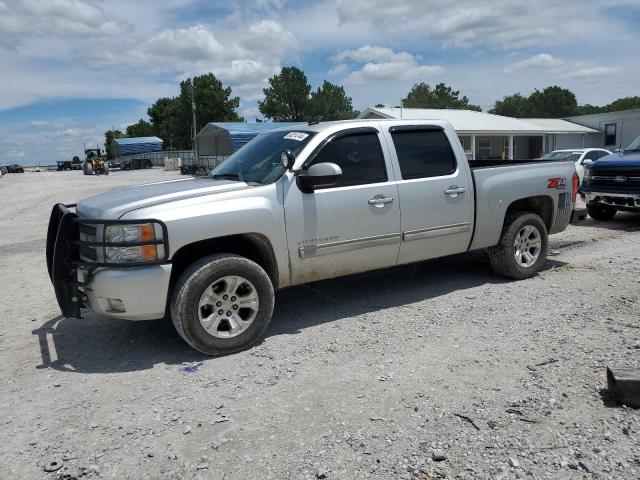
(436,194)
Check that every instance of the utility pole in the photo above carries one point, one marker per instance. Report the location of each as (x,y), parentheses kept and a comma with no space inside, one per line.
(194,128)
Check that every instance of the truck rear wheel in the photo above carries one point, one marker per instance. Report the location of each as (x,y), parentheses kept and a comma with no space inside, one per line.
(600,212)
(522,249)
(222,304)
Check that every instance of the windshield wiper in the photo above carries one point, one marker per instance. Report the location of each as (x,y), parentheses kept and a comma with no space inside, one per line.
(228,176)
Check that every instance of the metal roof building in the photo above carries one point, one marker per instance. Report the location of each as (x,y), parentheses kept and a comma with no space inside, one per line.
(485,135)
(127,146)
(224,138)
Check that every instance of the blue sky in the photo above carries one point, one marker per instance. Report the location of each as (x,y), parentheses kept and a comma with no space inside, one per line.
(72,69)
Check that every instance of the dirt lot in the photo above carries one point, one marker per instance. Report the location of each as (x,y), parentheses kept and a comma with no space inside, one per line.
(424,371)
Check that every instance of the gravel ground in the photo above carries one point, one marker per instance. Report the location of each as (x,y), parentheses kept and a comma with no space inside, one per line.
(439,369)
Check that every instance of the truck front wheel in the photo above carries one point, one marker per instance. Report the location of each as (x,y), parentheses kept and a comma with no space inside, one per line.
(522,249)
(222,304)
(600,212)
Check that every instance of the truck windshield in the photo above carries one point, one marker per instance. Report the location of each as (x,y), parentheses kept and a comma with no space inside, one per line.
(634,146)
(259,160)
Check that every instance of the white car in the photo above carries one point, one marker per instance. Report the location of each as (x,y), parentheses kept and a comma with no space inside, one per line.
(580,156)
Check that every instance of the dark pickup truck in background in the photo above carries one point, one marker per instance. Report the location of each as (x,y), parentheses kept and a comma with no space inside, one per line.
(612,183)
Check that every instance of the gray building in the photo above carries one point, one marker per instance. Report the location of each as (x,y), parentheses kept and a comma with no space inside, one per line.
(617,129)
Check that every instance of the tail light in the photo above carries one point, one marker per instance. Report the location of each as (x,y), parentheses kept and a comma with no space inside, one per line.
(574,187)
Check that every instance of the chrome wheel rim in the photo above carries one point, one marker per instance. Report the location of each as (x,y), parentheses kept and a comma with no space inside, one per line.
(228,306)
(527,246)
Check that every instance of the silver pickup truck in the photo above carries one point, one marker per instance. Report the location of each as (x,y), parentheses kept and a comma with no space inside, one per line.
(295,206)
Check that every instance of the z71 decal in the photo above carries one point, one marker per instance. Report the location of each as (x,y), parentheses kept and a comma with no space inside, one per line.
(558,183)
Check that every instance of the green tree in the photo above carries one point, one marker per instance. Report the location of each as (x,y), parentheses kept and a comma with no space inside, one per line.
(214,103)
(589,109)
(109,137)
(552,102)
(379,105)
(626,103)
(515,105)
(165,121)
(140,129)
(287,97)
(422,95)
(171,118)
(329,102)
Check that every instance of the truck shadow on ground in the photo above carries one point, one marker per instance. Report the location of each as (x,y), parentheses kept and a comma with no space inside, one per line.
(623,221)
(97,344)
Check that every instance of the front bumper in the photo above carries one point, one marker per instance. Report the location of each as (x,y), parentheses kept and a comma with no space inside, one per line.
(627,201)
(127,291)
(131,294)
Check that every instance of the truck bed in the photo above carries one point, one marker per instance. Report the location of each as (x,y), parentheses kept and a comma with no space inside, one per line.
(498,183)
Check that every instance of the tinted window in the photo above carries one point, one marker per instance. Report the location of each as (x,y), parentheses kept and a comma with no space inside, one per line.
(358,155)
(610,134)
(424,153)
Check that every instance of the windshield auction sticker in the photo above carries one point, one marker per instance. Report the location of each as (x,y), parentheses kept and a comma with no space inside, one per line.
(299,136)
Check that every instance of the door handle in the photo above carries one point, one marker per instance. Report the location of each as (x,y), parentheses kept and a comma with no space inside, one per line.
(380,200)
(454,190)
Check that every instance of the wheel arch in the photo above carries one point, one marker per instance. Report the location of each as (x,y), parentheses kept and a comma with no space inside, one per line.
(541,205)
(254,246)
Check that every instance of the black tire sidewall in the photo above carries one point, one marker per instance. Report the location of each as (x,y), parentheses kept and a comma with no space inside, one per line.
(191,286)
(600,212)
(516,226)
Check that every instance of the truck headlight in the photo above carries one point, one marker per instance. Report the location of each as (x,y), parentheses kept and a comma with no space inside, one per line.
(587,176)
(143,248)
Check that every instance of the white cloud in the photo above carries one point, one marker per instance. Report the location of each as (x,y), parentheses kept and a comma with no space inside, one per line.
(381,64)
(541,60)
(500,23)
(23,19)
(592,72)
(39,123)
(338,69)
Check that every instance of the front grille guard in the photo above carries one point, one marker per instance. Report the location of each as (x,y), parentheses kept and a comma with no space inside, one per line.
(63,255)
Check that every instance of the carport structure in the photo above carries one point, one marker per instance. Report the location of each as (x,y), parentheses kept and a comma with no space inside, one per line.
(224,138)
(488,136)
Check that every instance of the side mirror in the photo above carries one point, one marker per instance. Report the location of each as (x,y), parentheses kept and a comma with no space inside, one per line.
(287,158)
(587,161)
(320,175)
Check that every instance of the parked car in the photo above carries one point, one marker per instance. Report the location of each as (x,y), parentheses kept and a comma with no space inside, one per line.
(68,165)
(136,164)
(581,157)
(15,168)
(354,196)
(612,183)
(3,171)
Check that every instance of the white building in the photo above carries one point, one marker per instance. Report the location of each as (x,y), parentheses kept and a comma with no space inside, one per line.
(484,135)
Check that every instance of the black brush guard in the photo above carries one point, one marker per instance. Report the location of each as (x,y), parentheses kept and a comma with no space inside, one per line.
(63,255)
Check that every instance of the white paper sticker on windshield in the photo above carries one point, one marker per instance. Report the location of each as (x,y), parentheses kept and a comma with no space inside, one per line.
(299,136)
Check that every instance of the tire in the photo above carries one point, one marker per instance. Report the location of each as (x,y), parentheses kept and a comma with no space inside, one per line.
(207,275)
(87,169)
(504,256)
(600,212)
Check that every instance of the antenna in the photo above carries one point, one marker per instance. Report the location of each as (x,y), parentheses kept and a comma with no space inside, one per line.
(193,114)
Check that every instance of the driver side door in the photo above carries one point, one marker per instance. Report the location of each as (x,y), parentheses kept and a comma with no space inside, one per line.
(352,226)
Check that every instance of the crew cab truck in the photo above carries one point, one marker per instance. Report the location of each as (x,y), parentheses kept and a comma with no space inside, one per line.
(612,183)
(295,206)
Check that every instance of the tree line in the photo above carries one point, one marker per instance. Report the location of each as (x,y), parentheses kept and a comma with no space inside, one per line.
(290,98)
